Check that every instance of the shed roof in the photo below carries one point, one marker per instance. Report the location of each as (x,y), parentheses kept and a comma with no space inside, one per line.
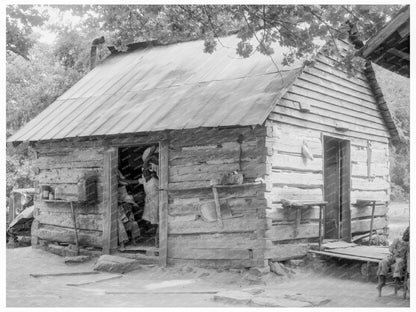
(165,88)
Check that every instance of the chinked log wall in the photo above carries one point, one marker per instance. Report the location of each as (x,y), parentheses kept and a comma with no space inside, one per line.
(62,164)
(333,99)
(195,157)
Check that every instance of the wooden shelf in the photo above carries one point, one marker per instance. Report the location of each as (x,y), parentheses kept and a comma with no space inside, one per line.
(219,186)
(302,203)
(56,200)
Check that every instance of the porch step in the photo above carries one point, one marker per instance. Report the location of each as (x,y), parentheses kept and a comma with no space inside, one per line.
(143,259)
(143,250)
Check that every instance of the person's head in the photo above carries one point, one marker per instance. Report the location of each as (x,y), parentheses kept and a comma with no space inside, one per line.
(406,235)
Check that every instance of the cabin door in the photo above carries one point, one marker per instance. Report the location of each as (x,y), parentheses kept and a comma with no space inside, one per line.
(337,168)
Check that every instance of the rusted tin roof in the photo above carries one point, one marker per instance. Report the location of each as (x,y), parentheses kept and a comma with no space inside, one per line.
(165,87)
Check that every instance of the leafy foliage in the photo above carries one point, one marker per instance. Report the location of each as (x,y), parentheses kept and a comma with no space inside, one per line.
(33,85)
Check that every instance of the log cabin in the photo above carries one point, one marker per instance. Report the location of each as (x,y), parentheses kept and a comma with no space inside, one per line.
(254,163)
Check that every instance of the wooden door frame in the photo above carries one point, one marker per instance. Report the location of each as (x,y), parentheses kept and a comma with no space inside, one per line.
(348,201)
(110,189)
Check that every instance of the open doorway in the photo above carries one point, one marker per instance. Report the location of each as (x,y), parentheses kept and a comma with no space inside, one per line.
(138,197)
(337,172)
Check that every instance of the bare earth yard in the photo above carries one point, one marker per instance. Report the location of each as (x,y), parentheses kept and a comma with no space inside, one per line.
(338,286)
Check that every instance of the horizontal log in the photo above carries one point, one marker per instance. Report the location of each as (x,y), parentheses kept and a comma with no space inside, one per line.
(285,177)
(358,226)
(281,232)
(184,252)
(64,219)
(78,158)
(212,154)
(373,184)
(66,175)
(241,224)
(361,212)
(65,235)
(289,214)
(215,264)
(377,169)
(377,155)
(283,252)
(65,207)
(381,196)
(218,240)
(209,136)
(294,162)
(295,193)
(69,144)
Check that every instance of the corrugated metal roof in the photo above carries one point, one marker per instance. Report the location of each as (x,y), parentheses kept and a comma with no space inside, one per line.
(165,87)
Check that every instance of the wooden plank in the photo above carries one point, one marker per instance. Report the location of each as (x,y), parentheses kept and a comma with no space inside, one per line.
(295,162)
(377,169)
(290,178)
(324,79)
(295,193)
(283,252)
(333,112)
(211,154)
(381,196)
(242,224)
(289,120)
(184,252)
(64,207)
(66,175)
(292,144)
(374,184)
(218,240)
(79,158)
(326,118)
(357,81)
(209,136)
(287,231)
(359,154)
(67,235)
(110,235)
(337,93)
(64,219)
(288,214)
(163,202)
(363,225)
(343,256)
(308,91)
(215,263)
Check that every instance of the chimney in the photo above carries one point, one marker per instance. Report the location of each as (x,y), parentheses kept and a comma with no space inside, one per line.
(93,56)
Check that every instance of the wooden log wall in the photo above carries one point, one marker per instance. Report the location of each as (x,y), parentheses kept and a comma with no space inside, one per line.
(333,100)
(62,164)
(197,157)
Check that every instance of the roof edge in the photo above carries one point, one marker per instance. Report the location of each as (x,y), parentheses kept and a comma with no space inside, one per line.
(381,102)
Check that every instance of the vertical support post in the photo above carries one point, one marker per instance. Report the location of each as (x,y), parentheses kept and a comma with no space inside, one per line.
(163,202)
(110,235)
(320,226)
(74,221)
(372,220)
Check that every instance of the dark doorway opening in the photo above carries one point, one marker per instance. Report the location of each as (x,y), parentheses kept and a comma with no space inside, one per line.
(337,173)
(138,197)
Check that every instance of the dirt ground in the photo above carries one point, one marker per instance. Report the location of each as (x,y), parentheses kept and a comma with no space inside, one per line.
(143,287)
(341,284)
